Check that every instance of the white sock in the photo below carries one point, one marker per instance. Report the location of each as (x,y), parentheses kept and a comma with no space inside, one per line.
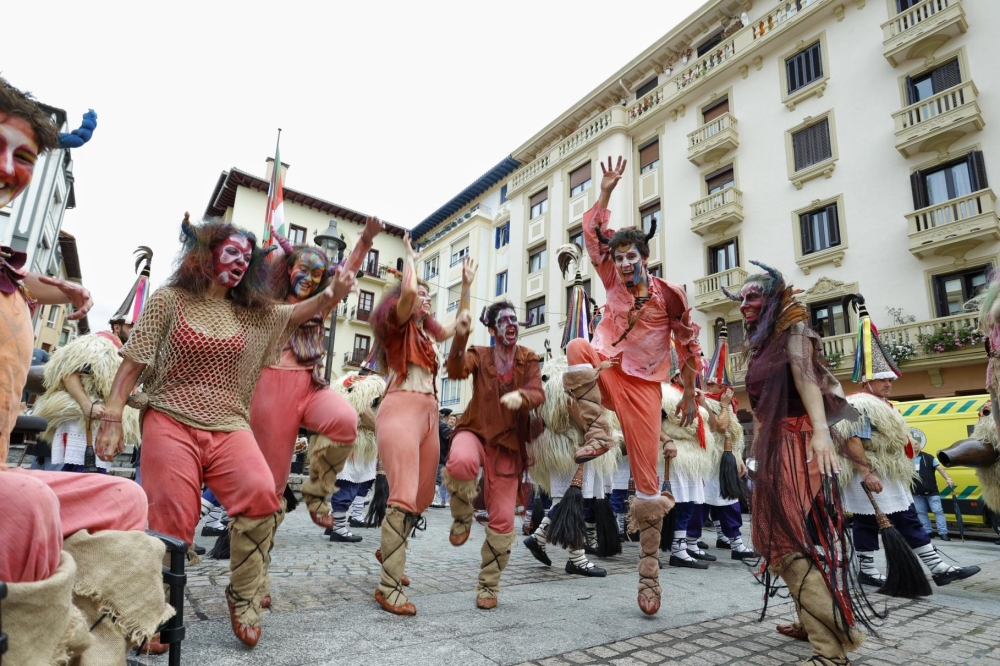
(340,523)
(592,535)
(692,544)
(358,509)
(736,543)
(678,547)
(929,556)
(620,517)
(867,561)
(579,559)
(541,533)
(717,524)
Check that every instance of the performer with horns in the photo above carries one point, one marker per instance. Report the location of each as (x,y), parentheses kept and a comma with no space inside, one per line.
(624,365)
(198,348)
(798,521)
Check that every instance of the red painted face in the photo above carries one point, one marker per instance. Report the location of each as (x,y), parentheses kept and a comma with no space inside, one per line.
(18,154)
(307,273)
(505,331)
(230,260)
(751,302)
(425,301)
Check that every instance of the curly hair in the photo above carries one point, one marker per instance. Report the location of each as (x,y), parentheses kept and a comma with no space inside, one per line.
(18,104)
(492,311)
(630,236)
(193,270)
(280,286)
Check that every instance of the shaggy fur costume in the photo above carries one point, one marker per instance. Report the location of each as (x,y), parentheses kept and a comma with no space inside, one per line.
(360,392)
(692,460)
(717,443)
(98,354)
(886,450)
(989,477)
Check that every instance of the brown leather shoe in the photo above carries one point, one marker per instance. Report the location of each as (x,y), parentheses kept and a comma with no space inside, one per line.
(792,631)
(405,580)
(404,609)
(153,646)
(265,602)
(486,603)
(246,633)
(649,606)
(588,452)
(459,539)
(326,522)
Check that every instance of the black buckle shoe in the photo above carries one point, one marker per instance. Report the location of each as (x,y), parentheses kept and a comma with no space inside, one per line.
(349,538)
(744,555)
(537,550)
(719,543)
(688,564)
(351,522)
(868,579)
(944,537)
(592,571)
(942,579)
(704,557)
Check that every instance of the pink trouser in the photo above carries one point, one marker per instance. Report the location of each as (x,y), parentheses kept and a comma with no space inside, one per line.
(286,399)
(177,459)
(638,403)
(407,432)
(500,477)
(41,508)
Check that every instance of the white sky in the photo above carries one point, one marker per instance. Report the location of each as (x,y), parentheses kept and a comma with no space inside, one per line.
(389,108)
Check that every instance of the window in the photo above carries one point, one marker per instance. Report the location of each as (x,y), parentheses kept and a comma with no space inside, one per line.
(723,256)
(63,338)
(804,67)
(647,87)
(536,260)
(452,301)
(502,235)
(715,109)
(812,145)
(459,251)
(710,43)
(539,203)
(828,318)
(933,82)
(399,264)
(649,156)
(366,301)
(820,229)
(650,216)
(656,271)
(451,391)
(53,316)
(536,312)
(952,291)
(371,263)
(949,181)
(362,343)
(501,283)
(586,289)
(903,5)
(576,236)
(720,179)
(579,180)
(737,335)
(296,235)
(503,193)
(431,267)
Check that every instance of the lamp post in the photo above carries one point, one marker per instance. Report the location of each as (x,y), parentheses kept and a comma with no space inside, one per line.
(333,244)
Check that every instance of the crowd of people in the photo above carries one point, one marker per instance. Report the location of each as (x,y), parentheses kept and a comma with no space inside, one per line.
(218,371)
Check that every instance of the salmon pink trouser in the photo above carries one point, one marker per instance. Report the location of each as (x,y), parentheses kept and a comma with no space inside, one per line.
(407,432)
(500,477)
(283,401)
(176,459)
(42,508)
(638,403)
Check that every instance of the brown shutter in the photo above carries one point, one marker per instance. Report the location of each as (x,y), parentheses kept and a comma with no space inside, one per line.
(977,170)
(649,154)
(806,231)
(833,225)
(946,76)
(539,197)
(719,178)
(715,110)
(579,176)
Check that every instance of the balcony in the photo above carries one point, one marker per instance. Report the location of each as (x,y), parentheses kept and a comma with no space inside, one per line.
(922,29)
(370,269)
(717,212)
(710,142)
(708,294)
(361,314)
(342,311)
(954,227)
(933,124)
(354,358)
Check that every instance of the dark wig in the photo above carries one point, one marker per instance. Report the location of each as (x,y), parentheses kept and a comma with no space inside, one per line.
(629,236)
(193,268)
(491,312)
(280,286)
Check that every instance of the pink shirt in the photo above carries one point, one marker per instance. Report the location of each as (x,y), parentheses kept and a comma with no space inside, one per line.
(645,350)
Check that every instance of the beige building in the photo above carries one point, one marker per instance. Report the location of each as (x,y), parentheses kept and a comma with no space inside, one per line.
(52,328)
(844,142)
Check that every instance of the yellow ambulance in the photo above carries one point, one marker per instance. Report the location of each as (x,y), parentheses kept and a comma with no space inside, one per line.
(937,423)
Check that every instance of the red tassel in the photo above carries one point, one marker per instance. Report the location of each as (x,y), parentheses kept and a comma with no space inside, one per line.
(909,449)
(701,431)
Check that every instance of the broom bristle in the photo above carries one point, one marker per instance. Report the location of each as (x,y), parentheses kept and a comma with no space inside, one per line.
(537,510)
(291,502)
(220,551)
(568,527)
(730,486)
(667,532)
(380,500)
(904,576)
(608,542)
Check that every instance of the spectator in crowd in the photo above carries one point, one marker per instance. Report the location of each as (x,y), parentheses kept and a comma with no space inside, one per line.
(446,423)
(925,491)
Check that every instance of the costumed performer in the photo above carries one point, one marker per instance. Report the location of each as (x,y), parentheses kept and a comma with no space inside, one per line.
(70,593)
(491,435)
(198,349)
(640,317)
(407,336)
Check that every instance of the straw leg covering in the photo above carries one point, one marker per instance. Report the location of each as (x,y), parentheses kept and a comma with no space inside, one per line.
(265,586)
(249,554)
(646,516)
(463,493)
(396,529)
(588,413)
(496,554)
(326,460)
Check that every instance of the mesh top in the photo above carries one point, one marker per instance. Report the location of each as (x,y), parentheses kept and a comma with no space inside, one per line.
(203,356)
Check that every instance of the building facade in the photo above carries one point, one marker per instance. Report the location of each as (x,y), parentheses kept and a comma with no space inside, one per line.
(843,142)
(52,328)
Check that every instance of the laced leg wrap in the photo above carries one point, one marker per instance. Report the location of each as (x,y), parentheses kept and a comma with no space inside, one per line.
(646,516)
(585,408)
(249,554)
(265,586)
(463,493)
(326,460)
(396,529)
(496,554)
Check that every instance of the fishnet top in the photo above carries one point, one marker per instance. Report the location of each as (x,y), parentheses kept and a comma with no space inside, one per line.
(203,357)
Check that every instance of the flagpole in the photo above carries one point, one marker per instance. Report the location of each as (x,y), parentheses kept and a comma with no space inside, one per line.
(275,178)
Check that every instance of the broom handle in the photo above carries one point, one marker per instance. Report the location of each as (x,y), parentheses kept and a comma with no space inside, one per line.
(883,521)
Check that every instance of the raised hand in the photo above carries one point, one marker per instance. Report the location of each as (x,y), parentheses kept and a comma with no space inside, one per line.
(344,282)
(612,175)
(373,227)
(469,268)
(78,296)
(410,250)
(463,323)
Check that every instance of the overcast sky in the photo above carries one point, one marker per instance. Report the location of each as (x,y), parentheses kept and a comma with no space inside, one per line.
(389,108)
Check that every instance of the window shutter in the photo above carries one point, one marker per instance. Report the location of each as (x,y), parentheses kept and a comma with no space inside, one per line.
(911,92)
(579,176)
(799,148)
(946,76)
(539,197)
(919,187)
(821,141)
(736,251)
(649,153)
(817,61)
(807,239)
(496,238)
(833,224)
(791,71)
(977,170)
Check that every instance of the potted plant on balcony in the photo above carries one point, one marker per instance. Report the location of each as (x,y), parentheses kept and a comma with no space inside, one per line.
(833,359)
(950,338)
(900,352)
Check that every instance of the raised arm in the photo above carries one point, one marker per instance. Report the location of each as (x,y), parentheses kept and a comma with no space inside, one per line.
(323,302)
(408,303)
(51,291)
(373,227)
(597,218)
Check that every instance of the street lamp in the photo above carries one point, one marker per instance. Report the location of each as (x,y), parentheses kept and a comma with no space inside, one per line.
(333,244)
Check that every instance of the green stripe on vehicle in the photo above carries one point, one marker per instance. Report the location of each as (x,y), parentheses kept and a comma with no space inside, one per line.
(928,409)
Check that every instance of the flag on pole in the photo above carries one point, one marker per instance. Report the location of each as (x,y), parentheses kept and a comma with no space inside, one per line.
(274,216)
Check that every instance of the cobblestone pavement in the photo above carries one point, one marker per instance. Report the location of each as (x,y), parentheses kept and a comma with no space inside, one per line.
(323,611)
